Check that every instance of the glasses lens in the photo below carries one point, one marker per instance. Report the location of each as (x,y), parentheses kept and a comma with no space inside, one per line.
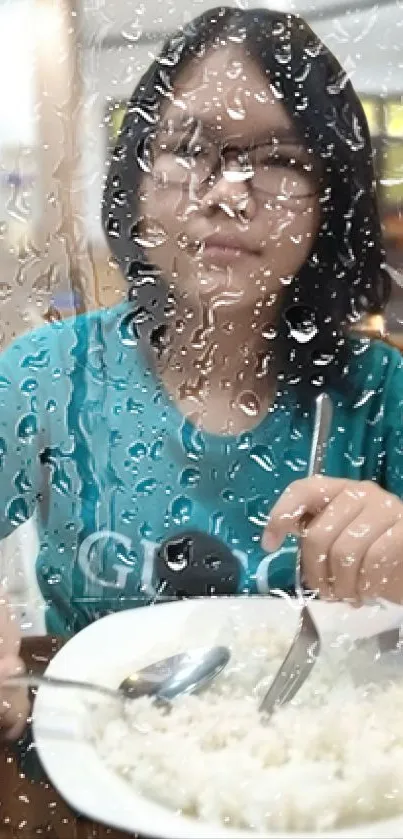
(283,174)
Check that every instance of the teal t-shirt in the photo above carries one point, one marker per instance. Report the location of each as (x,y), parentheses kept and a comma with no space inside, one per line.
(90,441)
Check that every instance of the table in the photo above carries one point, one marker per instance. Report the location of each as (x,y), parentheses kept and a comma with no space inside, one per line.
(30,807)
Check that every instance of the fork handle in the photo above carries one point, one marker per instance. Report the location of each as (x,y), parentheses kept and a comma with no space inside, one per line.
(321,429)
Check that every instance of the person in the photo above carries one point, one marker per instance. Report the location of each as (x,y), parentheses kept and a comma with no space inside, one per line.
(240,204)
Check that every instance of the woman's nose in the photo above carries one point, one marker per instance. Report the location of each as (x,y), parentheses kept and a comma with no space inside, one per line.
(232,193)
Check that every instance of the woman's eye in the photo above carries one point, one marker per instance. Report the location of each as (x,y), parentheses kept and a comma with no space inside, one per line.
(292,164)
(285,162)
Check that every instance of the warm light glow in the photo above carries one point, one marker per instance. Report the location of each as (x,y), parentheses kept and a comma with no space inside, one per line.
(372,325)
(49,23)
(17,118)
(376,323)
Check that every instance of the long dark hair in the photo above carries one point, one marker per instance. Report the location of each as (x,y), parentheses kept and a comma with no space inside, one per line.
(345,276)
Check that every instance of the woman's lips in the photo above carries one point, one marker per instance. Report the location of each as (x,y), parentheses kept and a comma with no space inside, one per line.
(221,250)
(222,255)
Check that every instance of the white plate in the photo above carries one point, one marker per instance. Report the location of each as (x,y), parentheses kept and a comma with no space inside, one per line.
(107,650)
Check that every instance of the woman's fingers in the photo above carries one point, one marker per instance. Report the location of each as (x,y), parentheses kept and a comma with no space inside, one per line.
(351,537)
(14,703)
(301,500)
(324,538)
(381,574)
(10,637)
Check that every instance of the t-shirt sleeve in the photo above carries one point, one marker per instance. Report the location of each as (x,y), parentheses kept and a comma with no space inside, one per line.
(22,432)
(393,473)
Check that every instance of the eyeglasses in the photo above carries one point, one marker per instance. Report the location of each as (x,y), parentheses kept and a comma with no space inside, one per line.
(196,164)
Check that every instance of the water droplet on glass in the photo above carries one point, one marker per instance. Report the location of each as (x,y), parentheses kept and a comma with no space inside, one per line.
(146,487)
(137,451)
(323,360)
(228,495)
(113,225)
(318,381)
(27,427)
(36,362)
(145,530)
(128,516)
(235,107)
(212,562)
(269,332)
(61,480)
(53,577)
(263,456)
(347,561)
(134,407)
(177,554)
(144,155)
(338,83)
(190,477)
(257,511)
(148,233)
(5,292)
(17,511)
(357,462)
(157,450)
(249,403)
(22,482)
(217,521)
(29,385)
(181,509)
(235,69)
(192,440)
(301,323)
(296,464)
(282,52)
(244,441)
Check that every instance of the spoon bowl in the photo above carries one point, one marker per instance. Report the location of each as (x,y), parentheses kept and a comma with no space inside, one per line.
(184,673)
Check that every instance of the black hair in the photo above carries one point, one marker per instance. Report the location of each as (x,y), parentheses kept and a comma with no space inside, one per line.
(345,277)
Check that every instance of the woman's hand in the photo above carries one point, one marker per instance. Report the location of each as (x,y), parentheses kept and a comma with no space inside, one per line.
(351,534)
(14,705)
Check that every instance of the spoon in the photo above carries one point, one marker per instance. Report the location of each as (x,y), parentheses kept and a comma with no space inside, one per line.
(183,673)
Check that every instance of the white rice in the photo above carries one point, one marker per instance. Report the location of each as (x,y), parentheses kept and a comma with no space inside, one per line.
(332,758)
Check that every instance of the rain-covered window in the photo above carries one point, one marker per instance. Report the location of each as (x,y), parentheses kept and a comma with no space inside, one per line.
(201,307)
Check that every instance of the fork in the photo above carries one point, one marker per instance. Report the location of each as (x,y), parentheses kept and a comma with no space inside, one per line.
(306,645)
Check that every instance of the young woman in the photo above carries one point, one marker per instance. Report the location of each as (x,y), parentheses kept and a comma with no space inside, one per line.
(240,204)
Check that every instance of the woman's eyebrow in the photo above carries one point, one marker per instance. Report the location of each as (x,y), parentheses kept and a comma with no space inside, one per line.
(178,123)
(278,135)
(285,136)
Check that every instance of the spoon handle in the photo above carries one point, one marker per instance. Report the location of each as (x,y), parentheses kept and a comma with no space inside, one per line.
(26,680)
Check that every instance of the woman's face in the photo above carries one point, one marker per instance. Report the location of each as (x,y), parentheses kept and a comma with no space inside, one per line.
(231,205)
